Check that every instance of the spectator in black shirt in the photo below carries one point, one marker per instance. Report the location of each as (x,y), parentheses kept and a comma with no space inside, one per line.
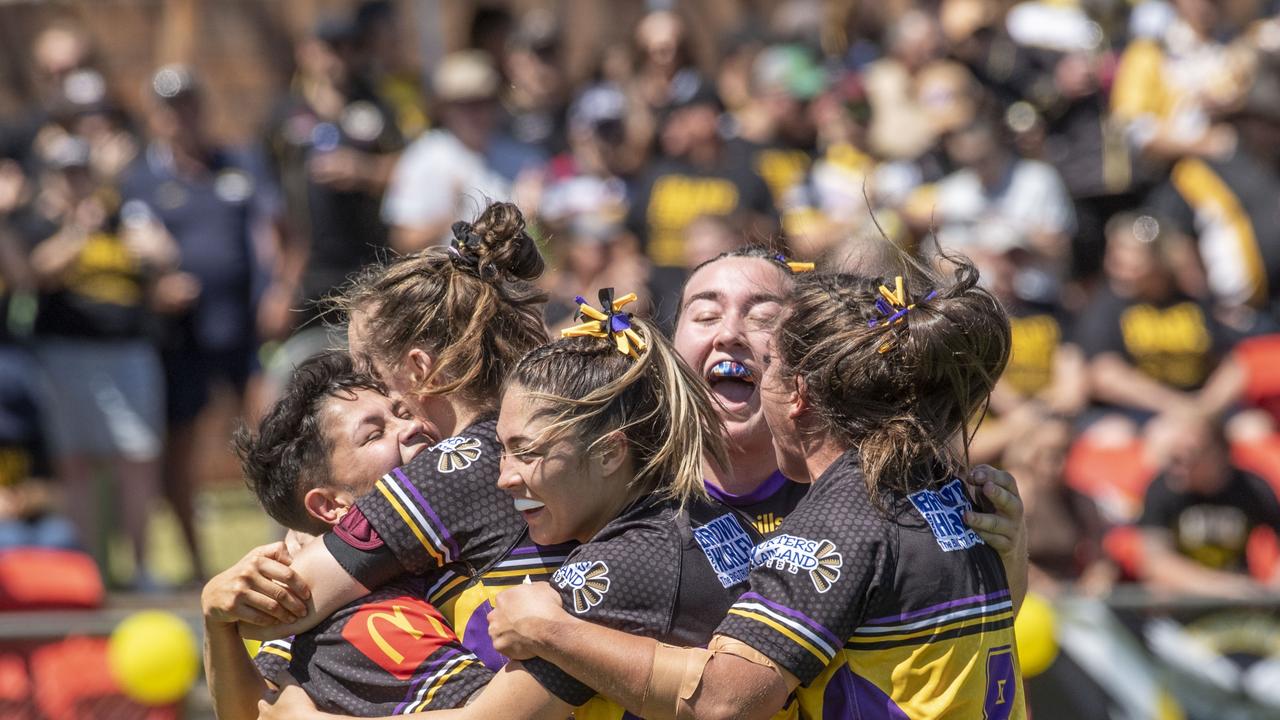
(1153,349)
(1198,516)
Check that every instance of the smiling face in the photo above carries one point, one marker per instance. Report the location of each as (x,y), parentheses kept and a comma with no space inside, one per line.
(727,315)
(369,435)
(563,491)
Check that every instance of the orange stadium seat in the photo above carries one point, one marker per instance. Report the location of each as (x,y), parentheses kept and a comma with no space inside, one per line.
(38,578)
(93,693)
(1261,458)
(1115,477)
(1261,359)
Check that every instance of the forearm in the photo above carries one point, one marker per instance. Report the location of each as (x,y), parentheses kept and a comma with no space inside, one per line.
(1224,388)
(234,681)
(1166,570)
(613,663)
(331,588)
(53,257)
(1115,382)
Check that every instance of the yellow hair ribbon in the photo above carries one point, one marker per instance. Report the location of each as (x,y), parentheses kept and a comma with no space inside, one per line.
(610,323)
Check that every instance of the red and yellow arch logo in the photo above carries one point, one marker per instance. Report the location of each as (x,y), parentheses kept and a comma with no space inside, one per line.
(398,634)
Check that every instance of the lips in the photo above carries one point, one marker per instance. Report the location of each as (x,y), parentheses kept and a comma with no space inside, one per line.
(527,505)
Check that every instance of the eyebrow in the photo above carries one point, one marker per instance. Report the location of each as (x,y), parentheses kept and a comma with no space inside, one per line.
(717,296)
(368,419)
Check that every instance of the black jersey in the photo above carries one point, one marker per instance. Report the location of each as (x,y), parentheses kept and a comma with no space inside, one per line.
(883,613)
(767,505)
(653,571)
(390,653)
(442,516)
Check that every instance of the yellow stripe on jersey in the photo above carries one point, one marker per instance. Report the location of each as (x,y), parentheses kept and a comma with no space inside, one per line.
(944,680)
(784,630)
(277,652)
(930,631)
(1202,188)
(534,570)
(435,597)
(408,521)
(439,683)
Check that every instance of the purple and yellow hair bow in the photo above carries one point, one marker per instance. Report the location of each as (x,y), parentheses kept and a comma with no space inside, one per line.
(608,322)
(893,307)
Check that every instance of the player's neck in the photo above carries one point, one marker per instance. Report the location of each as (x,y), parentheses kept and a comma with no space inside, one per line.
(746,472)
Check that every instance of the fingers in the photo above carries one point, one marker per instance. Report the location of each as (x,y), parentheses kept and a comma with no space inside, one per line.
(996,531)
(254,598)
(287,580)
(1008,504)
(984,474)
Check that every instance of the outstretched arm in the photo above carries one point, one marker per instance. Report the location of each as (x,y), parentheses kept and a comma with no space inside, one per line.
(530,621)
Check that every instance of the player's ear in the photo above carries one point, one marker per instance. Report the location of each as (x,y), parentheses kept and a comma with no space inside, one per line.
(611,452)
(797,399)
(419,365)
(327,505)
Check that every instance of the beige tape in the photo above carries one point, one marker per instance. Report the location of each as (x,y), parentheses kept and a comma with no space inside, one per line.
(677,672)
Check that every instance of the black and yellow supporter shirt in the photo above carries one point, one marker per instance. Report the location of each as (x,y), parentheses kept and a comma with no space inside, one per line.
(1229,206)
(767,505)
(443,517)
(903,613)
(390,653)
(1037,332)
(1176,342)
(653,571)
(674,194)
(782,168)
(1212,528)
(102,295)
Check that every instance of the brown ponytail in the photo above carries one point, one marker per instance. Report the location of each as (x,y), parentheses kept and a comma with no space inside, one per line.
(899,392)
(662,407)
(470,305)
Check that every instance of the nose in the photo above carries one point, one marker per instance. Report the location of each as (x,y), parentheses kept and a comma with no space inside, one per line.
(730,332)
(411,431)
(509,478)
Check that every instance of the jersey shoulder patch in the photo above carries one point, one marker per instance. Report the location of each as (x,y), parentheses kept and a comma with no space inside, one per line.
(943,509)
(587,581)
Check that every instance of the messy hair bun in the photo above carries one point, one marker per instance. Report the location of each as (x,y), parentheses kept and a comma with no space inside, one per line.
(497,244)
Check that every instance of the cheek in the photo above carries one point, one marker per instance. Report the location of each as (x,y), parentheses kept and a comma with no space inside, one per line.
(693,344)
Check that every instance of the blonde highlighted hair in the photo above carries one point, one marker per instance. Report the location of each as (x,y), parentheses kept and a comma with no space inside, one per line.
(663,408)
(470,306)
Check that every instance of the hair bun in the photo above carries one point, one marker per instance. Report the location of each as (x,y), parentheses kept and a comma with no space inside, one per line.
(498,244)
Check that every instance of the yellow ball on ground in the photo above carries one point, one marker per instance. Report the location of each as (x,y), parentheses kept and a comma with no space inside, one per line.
(1036,630)
(154,657)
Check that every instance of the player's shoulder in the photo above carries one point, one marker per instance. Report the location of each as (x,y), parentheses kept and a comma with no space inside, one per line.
(472,451)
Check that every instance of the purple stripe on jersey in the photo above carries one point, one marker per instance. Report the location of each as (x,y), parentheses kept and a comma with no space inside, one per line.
(935,608)
(795,615)
(771,485)
(422,502)
(848,696)
(423,675)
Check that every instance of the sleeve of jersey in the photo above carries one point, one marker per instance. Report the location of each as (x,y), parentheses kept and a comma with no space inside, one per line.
(625,586)
(273,660)
(809,591)
(443,507)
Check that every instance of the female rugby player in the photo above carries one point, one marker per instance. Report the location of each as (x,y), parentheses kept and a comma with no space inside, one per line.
(878,599)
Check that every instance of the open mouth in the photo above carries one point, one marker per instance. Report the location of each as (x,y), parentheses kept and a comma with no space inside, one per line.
(732,383)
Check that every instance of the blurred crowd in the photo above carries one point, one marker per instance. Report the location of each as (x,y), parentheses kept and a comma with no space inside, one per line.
(1112,166)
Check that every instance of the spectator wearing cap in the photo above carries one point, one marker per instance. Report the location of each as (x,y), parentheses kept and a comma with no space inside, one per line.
(450,172)
(1228,204)
(775,129)
(103,392)
(696,176)
(213,201)
(331,144)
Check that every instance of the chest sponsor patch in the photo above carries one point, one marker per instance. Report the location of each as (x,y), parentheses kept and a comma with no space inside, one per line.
(398,634)
(728,548)
(944,510)
(819,558)
(588,581)
(456,453)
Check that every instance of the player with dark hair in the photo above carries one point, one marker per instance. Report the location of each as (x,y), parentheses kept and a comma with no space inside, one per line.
(315,452)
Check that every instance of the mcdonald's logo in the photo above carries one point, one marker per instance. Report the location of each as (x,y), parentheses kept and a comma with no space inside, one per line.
(398,634)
